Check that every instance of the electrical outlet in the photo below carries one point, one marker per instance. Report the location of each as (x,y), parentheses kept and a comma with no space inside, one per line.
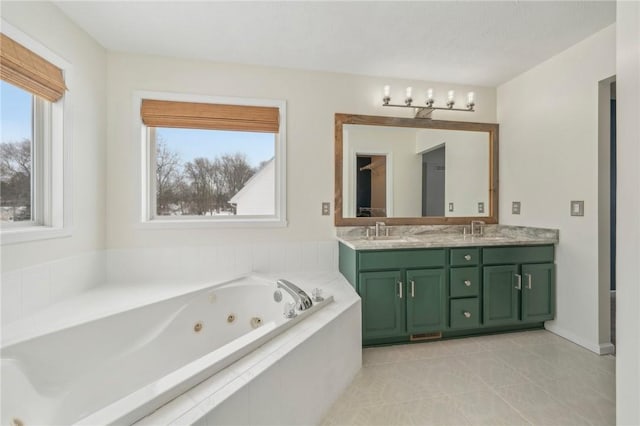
(480,207)
(326,208)
(515,207)
(450,207)
(577,208)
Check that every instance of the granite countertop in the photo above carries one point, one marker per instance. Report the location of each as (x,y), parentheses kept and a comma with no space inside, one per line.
(402,237)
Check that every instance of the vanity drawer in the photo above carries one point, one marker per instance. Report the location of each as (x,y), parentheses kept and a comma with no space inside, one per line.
(505,255)
(401,259)
(465,313)
(465,282)
(465,256)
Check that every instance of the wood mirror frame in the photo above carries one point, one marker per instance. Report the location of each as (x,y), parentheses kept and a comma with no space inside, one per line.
(419,123)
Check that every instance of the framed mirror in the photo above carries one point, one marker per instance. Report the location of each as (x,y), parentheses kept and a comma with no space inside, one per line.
(414,171)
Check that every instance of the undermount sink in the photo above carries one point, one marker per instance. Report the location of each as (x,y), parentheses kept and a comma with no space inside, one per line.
(492,237)
(392,239)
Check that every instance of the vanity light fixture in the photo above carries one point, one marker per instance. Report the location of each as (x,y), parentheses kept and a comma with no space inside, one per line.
(425,111)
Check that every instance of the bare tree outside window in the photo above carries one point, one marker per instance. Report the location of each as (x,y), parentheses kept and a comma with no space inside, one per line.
(15,180)
(201,185)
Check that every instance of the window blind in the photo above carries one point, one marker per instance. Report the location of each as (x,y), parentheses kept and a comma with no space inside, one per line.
(29,71)
(192,115)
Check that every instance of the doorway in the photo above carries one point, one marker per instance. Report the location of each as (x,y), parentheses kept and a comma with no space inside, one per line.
(371,186)
(433,182)
(607,169)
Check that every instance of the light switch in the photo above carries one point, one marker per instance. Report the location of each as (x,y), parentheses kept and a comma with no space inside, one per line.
(480,207)
(450,207)
(326,208)
(515,207)
(577,208)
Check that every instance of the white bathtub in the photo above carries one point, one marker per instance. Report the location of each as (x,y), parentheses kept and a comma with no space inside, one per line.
(119,368)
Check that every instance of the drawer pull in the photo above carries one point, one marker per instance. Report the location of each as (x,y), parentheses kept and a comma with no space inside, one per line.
(400,289)
(528,281)
(467,283)
(467,257)
(413,288)
(519,282)
(467,314)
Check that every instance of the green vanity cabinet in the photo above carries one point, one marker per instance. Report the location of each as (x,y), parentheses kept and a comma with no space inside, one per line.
(426,293)
(393,306)
(518,292)
(382,304)
(425,296)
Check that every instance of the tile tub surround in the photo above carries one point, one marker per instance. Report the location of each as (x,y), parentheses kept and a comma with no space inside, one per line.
(292,379)
(446,236)
(524,378)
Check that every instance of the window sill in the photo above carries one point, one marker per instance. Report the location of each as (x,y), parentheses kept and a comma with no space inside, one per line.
(31,233)
(208,223)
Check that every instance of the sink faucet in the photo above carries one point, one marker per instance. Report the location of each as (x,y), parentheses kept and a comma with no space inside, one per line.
(378,225)
(479,224)
(302,299)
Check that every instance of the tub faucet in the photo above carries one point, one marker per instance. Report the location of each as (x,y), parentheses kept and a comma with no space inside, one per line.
(302,299)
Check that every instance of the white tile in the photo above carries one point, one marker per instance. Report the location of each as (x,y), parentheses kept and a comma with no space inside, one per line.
(328,255)
(309,254)
(233,411)
(265,403)
(243,255)
(260,258)
(293,257)
(36,293)
(278,258)
(11,295)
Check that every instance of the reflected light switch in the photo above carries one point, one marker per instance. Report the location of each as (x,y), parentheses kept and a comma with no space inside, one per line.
(577,208)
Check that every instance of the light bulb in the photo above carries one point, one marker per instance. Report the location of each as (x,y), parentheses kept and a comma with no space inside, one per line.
(471,97)
(408,99)
(429,95)
(450,101)
(386,98)
(451,95)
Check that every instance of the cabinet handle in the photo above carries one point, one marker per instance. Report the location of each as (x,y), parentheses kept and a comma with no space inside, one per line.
(467,314)
(529,279)
(400,289)
(467,283)
(519,283)
(467,257)
(413,288)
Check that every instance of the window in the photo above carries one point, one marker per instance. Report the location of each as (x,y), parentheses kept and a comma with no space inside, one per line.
(32,143)
(214,162)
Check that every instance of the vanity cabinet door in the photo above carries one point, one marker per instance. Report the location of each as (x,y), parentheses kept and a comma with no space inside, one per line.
(425,300)
(501,295)
(538,292)
(383,297)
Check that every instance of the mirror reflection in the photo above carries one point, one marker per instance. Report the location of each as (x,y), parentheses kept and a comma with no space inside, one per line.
(407,172)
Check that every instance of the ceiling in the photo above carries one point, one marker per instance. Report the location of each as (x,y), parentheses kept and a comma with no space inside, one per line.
(466,42)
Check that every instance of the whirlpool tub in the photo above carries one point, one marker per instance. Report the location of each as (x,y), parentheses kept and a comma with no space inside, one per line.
(119,368)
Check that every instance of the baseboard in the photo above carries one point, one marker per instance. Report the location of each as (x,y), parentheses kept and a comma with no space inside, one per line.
(600,349)
(607,348)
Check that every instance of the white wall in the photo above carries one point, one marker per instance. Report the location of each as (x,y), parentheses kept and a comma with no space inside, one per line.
(466,168)
(549,156)
(44,23)
(628,217)
(312,100)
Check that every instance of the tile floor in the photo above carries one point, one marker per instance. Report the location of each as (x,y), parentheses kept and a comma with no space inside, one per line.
(524,378)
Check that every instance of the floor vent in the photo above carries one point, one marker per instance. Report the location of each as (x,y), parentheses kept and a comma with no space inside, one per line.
(425,336)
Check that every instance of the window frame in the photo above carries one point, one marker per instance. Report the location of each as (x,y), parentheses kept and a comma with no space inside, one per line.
(51,162)
(145,154)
